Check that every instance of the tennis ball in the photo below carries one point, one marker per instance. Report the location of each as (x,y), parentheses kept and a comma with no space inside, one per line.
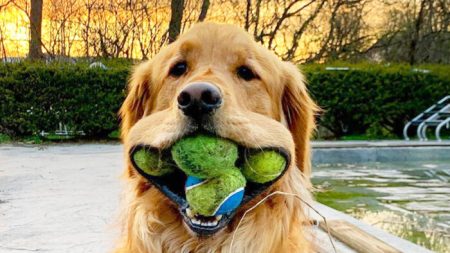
(219,195)
(263,166)
(152,163)
(204,156)
(214,185)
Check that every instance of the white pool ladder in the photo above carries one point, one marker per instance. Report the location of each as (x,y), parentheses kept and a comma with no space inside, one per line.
(437,115)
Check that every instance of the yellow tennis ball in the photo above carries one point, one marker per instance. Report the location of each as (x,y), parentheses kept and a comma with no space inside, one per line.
(151,162)
(263,166)
(204,156)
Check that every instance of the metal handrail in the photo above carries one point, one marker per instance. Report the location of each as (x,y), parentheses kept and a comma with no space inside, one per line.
(421,129)
(438,128)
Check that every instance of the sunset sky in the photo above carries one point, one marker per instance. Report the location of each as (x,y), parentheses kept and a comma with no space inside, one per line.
(14,25)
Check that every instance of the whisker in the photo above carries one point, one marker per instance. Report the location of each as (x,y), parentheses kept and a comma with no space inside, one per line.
(285,194)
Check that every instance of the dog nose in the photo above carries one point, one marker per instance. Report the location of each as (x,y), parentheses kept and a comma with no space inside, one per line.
(198,99)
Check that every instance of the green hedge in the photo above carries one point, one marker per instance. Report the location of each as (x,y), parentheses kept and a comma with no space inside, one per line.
(375,100)
(367,99)
(37,96)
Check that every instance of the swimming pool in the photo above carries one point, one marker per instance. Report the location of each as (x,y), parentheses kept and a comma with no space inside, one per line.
(408,199)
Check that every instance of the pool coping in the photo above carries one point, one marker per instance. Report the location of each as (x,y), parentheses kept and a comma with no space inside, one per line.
(396,242)
(379,151)
(377,144)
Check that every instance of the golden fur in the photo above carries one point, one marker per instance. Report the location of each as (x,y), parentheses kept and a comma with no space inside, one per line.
(274,110)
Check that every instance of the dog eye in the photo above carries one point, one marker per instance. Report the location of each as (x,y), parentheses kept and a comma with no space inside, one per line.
(245,73)
(178,69)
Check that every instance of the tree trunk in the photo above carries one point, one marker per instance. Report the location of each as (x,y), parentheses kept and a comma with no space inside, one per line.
(35,51)
(203,11)
(415,35)
(175,20)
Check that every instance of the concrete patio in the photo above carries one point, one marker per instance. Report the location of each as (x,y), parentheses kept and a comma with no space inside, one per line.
(59,198)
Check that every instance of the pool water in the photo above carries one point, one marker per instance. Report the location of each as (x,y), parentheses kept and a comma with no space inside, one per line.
(407,199)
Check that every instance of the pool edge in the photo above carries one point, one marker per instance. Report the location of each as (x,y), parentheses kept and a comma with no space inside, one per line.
(395,242)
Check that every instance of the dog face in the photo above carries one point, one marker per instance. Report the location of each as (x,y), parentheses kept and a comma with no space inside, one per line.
(216,79)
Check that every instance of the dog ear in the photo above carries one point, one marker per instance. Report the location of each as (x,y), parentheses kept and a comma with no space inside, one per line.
(299,110)
(138,98)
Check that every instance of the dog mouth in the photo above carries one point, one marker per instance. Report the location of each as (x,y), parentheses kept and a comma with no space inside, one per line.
(173,187)
(204,225)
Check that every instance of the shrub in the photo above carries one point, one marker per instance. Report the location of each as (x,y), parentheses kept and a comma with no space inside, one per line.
(38,96)
(374,99)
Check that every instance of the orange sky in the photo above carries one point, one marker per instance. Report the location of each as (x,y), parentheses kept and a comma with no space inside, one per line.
(15,32)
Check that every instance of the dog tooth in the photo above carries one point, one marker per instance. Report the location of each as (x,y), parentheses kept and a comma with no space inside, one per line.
(195,221)
(189,213)
(214,223)
(218,217)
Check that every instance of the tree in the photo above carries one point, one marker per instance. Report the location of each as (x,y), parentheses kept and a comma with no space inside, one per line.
(35,51)
(415,37)
(203,11)
(176,7)
(62,31)
(297,34)
(3,53)
(271,21)
(150,30)
(346,36)
(415,32)
(85,22)
(113,28)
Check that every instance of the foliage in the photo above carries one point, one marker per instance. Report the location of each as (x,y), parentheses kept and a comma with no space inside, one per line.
(38,96)
(4,138)
(416,32)
(367,99)
(376,100)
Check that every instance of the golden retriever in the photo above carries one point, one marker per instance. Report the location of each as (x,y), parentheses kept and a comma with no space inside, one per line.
(242,92)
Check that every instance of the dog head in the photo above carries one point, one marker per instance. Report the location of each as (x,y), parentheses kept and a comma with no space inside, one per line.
(216,79)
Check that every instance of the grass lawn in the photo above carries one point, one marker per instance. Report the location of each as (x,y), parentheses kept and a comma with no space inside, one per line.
(363,137)
(54,138)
